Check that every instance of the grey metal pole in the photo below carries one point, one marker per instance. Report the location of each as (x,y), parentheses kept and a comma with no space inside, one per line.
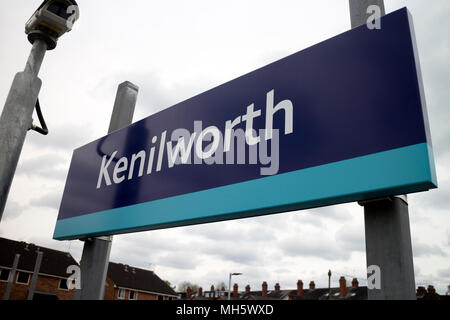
(96,251)
(16,118)
(12,275)
(388,246)
(229,287)
(387,230)
(37,267)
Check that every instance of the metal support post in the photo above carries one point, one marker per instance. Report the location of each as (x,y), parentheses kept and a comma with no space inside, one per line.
(388,246)
(37,267)
(388,236)
(16,117)
(12,275)
(95,257)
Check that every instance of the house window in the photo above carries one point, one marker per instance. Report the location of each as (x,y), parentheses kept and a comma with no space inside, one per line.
(4,275)
(170,298)
(23,278)
(133,295)
(121,294)
(63,284)
(160,298)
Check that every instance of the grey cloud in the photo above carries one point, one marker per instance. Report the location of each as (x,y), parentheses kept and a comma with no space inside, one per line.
(437,199)
(50,200)
(64,137)
(434,49)
(421,249)
(351,238)
(154,93)
(444,273)
(231,252)
(234,231)
(13,210)
(45,166)
(337,212)
(178,261)
(313,247)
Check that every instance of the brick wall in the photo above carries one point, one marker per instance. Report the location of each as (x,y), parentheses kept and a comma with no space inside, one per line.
(44,284)
(51,285)
(141,295)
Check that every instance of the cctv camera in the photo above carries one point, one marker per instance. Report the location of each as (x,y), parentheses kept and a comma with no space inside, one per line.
(51,20)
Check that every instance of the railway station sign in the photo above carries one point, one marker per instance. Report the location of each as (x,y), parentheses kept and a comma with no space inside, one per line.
(344,120)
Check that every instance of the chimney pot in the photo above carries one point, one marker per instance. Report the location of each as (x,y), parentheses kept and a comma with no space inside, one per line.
(264,289)
(247,288)
(277,287)
(235,290)
(312,285)
(188,292)
(200,291)
(342,287)
(431,289)
(300,288)
(355,283)
(212,287)
(420,291)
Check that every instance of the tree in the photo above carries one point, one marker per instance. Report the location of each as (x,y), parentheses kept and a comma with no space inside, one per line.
(182,287)
(221,285)
(169,284)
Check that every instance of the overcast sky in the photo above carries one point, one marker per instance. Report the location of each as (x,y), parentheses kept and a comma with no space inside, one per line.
(174,50)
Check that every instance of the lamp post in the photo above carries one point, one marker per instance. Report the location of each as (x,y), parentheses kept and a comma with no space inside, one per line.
(329,284)
(229,283)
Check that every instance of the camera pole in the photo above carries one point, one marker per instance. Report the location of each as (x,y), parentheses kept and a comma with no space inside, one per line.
(16,119)
(386,221)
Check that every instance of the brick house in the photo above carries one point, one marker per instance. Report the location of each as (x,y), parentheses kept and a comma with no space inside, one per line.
(51,282)
(123,282)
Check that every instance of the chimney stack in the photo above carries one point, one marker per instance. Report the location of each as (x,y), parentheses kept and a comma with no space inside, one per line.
(277,287)
(264,289)
(355,283)
(431,289)
(342,287)
(212,288)
(247,289)
(235,290)
(188,292)
(312,285)
(421,291)
(200,291)
(300,288)
(223,288)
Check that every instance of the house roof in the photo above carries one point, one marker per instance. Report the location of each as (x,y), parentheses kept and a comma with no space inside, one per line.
(280,294)
(53,262)
(126,276)
(358,293)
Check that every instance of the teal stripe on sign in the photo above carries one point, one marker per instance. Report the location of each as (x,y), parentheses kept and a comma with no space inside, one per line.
(399,171)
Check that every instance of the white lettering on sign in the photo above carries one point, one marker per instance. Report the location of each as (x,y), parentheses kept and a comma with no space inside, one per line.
(184,145)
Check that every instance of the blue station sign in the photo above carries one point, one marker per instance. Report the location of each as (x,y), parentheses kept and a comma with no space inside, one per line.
(344,120)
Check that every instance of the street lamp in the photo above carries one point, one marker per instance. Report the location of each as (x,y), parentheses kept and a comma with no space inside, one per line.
(229,283)
(49,22)
(329,284)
